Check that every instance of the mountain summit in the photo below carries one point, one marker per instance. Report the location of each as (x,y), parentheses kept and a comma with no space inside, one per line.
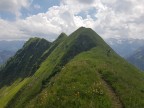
(76,71)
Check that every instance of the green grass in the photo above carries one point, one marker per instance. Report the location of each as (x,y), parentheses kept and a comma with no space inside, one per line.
(73,74)
(7,92)
(36,80)
(24,63)
(79,85)
(54,60)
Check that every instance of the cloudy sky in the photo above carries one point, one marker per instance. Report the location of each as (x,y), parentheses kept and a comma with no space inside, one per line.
(21,19)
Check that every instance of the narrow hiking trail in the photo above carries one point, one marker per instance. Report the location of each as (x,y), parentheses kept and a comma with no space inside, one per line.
(116,103)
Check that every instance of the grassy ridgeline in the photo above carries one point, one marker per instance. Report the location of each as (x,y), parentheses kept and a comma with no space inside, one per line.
(82,71)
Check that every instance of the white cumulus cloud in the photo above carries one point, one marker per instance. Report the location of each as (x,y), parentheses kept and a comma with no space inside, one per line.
(109,18)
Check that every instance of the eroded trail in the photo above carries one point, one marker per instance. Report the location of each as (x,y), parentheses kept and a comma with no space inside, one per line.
(116,103)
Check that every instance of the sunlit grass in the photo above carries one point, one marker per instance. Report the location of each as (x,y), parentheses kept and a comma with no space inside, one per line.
(8,92)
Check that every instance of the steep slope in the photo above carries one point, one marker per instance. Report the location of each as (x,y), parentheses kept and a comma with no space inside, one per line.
(60,39)
(82,71)
(93,79)
(81,40)
(8,92)
(137,58)
(21,65)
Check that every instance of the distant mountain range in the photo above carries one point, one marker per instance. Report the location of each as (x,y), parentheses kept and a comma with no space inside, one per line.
(8,49)
(137,58)
(131,49)
(76,71)
(125,47)
(5,55)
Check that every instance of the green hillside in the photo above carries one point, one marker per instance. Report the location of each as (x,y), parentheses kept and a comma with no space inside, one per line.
(13,75)
(22,64)
(78,71)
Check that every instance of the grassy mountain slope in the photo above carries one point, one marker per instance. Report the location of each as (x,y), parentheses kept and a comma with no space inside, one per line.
(82,71)
(21,65)
(81,40)
(60,38)
(137,58)
(80,84)
(9,91)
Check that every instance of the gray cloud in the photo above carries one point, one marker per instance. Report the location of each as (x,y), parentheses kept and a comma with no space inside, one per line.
(13,6)
(86,1)
(123,6)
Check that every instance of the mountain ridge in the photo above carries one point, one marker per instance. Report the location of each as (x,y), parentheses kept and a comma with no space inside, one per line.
(80,70)
(24,57)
